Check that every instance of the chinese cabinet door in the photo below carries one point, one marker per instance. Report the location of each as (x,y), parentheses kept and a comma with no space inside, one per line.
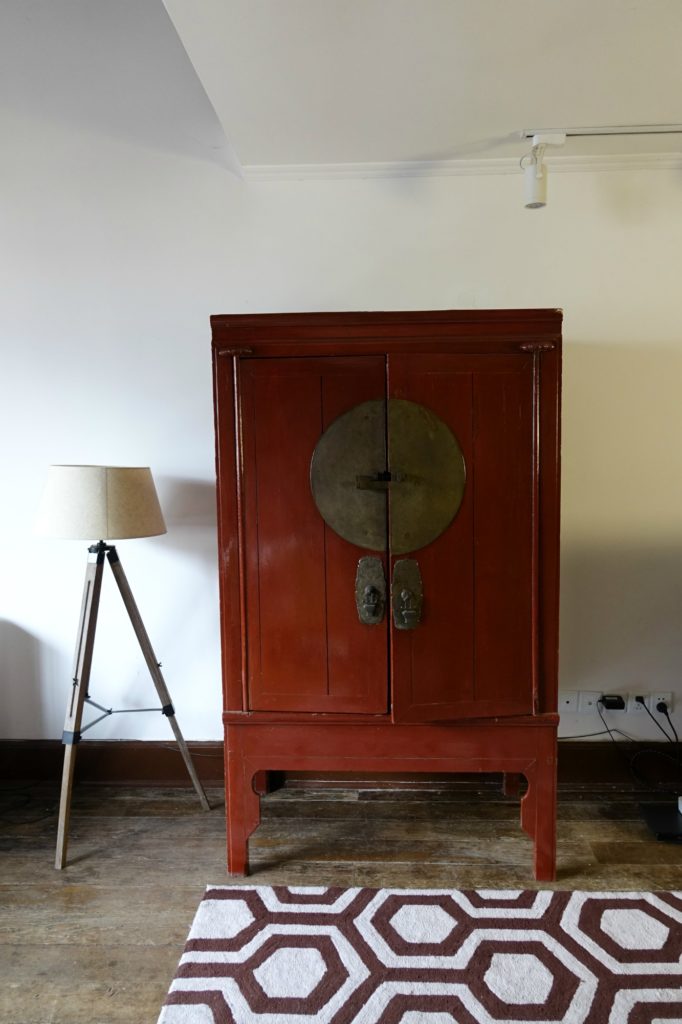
(306,647)
(470,656)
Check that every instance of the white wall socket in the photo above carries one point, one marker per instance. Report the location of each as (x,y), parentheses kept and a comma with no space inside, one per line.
(634,707)
(568,700)
(587,700)
(653,699)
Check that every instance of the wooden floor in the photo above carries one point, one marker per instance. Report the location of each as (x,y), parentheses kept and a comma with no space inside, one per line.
(99,942)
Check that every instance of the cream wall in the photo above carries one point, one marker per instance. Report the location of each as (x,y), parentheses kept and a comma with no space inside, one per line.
(114,257)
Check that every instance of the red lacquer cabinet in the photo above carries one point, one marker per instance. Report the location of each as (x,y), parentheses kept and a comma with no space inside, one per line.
(388,501)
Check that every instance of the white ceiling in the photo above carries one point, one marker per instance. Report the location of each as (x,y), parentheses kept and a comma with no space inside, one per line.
(341,83)
(356,81)
(107,67)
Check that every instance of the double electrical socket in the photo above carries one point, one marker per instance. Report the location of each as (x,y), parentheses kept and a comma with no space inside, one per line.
(578,700)
(651,700)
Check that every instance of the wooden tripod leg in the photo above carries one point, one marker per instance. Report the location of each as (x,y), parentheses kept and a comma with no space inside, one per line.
(187,757)
(155,670)
(74,713)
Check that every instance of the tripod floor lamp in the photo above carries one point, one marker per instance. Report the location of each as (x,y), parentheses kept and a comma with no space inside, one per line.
(112,502)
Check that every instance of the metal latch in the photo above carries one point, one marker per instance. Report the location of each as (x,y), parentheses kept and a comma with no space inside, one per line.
(370,591)
(407,594)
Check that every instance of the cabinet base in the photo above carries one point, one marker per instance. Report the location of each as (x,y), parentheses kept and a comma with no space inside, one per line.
(514,747)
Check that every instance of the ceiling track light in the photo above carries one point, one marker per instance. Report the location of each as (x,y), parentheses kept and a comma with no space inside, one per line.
(608,129)
(535,171)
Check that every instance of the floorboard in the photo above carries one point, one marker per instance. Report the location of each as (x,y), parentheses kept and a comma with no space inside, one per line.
(100,941)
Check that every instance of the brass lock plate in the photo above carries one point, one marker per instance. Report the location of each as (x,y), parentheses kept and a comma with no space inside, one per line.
(407,594)
(370,591)
(398,449)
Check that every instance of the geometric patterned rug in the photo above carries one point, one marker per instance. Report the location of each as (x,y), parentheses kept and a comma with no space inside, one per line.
(278,955)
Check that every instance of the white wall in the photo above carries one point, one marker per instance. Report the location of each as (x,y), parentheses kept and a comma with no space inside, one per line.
(114,257)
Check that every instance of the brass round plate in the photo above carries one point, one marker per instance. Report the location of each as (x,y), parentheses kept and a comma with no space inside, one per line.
(353,445)
(421,469)
(426,454)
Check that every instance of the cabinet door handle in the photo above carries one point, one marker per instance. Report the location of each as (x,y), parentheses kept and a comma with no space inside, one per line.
(407,594)
(408,609)
(370,600)
(370,591)
(379,481)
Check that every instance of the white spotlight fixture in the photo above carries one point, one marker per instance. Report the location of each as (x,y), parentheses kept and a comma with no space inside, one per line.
(535,171)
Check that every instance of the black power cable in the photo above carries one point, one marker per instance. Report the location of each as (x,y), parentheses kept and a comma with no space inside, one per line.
(658,725)
(632,760)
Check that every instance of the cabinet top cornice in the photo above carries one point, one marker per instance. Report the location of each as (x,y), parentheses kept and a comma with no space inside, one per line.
(375,317)
(504,329)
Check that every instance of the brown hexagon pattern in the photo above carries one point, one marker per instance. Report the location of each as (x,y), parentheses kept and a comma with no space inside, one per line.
(277,955)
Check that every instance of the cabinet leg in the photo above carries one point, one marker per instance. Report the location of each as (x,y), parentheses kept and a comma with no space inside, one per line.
(243,815)
(237,850)
(511,784)
(528,806)
(545,830)
(538,819)
(261,783)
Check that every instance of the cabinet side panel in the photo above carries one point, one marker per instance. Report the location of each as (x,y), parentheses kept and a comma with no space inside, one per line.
(550,476)
(228,532)
(503,456)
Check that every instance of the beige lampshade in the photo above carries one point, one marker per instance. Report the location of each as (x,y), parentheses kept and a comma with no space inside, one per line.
(100,503)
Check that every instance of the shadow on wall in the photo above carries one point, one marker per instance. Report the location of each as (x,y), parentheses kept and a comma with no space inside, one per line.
(621,569)
(187,641)
(23,664)
(34,676)
(189,508)
(621,456)
(621,628)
